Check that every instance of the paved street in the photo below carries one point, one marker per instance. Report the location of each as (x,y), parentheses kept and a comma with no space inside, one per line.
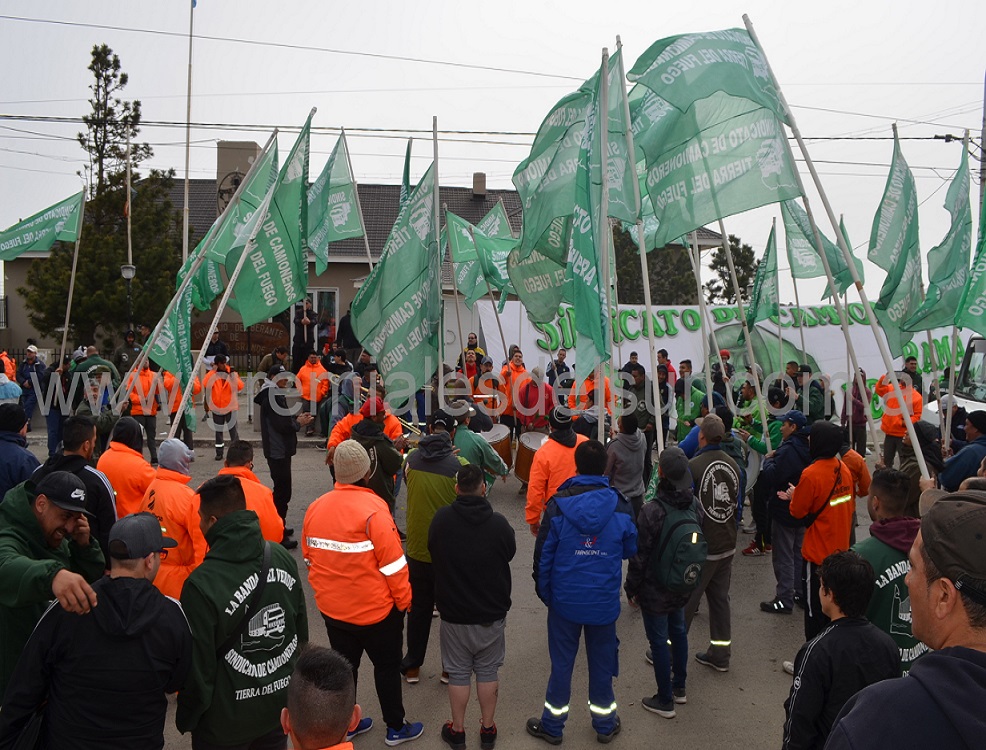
(739,709)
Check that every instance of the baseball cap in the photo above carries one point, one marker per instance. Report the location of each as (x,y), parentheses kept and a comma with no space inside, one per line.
(487,361)
(372,406)
(946,401)
(795,417)
(33,349)
(755,369)
(136,536)
(953,531)
(64,490)
(713,428)
(673,465)
(442,418)
(275,371)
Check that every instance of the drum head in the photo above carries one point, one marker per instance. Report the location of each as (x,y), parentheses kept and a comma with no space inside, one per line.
(533,440)
(498,433)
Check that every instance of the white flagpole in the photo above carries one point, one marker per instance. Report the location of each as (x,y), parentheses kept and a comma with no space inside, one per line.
(644,273)
(441,305)
(603,283)
(189,277)
(706,321)
(746,335)
(880,340)
(455,290)
(359,207)
(188,132)
(71,281)
(496,312)
(801,318)
(951,388)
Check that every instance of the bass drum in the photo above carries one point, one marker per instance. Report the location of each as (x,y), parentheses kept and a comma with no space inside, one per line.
(529,443)
(753,463)
(499,440)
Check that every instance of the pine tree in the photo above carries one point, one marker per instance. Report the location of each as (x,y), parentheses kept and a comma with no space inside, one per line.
(671,278)
(100,299)
(720,288)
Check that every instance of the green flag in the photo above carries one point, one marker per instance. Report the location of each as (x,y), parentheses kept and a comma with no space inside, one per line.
(685,68)
(803,255)
(38,233)
(465,261)
(539,282)
(724,156)
(971,312)
(333,210)
(208,282)
(855,261)
(764,302)
(275,274)
(479,253)
(172,348)
(948,263)
(894,247)
(397,311)
(406,180)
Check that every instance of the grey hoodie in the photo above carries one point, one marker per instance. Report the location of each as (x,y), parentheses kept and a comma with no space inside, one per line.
(625,466)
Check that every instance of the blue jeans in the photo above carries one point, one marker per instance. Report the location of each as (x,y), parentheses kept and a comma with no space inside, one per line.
(602,652)
(659,629)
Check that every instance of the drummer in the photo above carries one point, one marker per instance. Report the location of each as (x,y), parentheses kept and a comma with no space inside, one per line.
(474,448)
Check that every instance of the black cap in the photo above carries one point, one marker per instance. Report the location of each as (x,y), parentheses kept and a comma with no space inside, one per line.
(64,490)
(275,371)
(442,418)
(136,536)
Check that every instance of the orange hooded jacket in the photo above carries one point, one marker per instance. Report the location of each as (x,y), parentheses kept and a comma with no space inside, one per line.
(259,499)
(129,474)
(553,464)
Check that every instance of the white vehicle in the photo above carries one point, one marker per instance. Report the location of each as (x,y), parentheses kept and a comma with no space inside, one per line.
(970,381)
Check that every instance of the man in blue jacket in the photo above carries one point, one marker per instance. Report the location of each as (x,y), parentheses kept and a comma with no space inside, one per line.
(965,463)
(586,533)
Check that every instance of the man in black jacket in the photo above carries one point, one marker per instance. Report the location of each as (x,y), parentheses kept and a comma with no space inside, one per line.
(138,647)
(279,438)
(79,444)
(471,548)
(848,655)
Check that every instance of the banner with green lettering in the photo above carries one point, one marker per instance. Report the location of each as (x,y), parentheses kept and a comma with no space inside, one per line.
(172,348)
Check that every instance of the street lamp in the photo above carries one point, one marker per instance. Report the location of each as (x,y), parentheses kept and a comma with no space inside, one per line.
(128,272)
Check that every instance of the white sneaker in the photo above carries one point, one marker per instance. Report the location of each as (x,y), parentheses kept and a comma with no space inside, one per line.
(788,667)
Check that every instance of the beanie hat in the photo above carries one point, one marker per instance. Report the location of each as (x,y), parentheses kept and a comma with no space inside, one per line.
(351,462)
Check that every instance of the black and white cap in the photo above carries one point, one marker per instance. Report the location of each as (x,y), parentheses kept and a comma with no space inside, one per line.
(64,490)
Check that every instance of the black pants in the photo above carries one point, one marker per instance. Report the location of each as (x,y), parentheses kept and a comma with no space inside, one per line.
(275,739)
(422,577)
(182,433)
(382,642)
(223,421)
(280,475)
(511,421)
(815,620)
(149,423)
(891,447)
(761,513)
(858,443)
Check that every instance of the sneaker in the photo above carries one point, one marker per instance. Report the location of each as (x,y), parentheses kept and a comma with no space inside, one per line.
(608,737)
(412,676)
(799,601)
(289,543)
(487,736)
(444,678)
(535,729)
(649,656)
(364,726)
(455,740)
(679,696)
(410,731)
(788,667)
(776,606)
(655,706)
(718,666)
(767,548)
(749,528)
(754,550)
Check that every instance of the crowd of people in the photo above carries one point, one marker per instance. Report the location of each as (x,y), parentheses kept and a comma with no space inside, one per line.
(195,590)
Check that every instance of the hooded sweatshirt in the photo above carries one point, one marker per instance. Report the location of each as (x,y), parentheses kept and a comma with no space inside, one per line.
(553,463)
(111,693)
(128,472)
(471,548)
(100,497)
(17,463)
(235,697)
(939,704)
(625,465)
(278,429)
(886,550)
(430,470)
(385,459)
(586,534)
(784,468)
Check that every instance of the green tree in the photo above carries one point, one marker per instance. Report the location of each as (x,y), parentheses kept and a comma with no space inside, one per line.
(671,279)
(719,289)
(100,300)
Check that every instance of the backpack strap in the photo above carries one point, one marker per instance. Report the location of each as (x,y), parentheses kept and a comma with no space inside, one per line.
(252,605)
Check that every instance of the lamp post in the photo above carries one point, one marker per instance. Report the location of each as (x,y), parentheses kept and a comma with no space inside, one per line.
(128,271)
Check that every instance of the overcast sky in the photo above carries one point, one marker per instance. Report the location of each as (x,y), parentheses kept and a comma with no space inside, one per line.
(849,69)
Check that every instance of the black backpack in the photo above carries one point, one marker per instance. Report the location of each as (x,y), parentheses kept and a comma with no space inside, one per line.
(677,559)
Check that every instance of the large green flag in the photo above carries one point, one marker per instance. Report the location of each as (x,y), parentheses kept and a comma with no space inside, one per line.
(477,248)
(38,233)
(208,282)
(333,210)
(723,157)
(894,247)
(971,312)
(397,311)
(803,255)
(172,348)
(948,263)
(539,282)
(764,302)
(465,261)
(685,68)
(275,274)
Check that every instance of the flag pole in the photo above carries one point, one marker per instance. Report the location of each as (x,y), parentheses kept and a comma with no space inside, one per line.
(455,290)
(951,388)
(189,277)
(437,232)
(71,281)
(881,341)
(705,319)
(603,223)
(746,335)
(359,207)
(644,269)
(188,133)
(496,312)
(801,316)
